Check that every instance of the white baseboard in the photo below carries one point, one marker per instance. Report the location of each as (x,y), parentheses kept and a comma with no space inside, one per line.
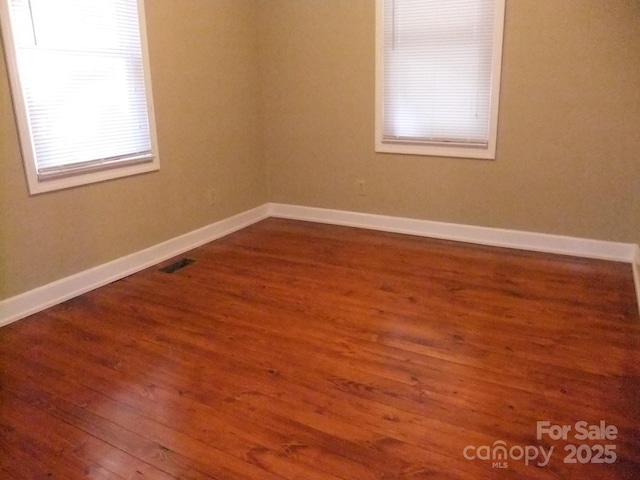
(537,242)
(33,301)
(36,300)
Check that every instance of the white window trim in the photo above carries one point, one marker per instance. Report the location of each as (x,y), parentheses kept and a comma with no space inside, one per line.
(116,170)
(434,149)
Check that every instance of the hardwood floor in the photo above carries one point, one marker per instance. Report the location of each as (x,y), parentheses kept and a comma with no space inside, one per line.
(292,350)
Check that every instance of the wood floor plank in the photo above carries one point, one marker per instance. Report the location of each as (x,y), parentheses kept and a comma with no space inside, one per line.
(63,451)
(291,350)
(566,379)
(240,416)
(157,392)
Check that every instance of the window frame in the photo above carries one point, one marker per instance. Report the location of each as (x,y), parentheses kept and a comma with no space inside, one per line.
(109,170)
(439,149)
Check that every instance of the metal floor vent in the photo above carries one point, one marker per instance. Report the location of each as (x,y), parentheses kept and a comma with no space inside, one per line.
(174,267)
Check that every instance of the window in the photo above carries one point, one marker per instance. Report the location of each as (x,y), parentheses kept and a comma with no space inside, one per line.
(438,76)
(81,90)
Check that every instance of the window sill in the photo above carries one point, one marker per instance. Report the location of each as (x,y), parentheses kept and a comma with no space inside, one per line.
(37,186)
(485,152)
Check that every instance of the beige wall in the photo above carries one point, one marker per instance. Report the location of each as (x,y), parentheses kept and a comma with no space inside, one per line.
(301,72)
(206,89)
(568,158)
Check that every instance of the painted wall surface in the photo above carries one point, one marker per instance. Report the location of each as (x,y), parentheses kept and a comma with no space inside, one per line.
(273,100)
(568,157)
(206,94)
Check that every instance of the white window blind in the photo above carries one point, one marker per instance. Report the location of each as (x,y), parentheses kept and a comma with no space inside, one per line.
(439,71)
(81,76)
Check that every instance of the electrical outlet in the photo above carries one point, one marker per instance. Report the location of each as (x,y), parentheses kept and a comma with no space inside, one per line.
(212,197)
(361,185)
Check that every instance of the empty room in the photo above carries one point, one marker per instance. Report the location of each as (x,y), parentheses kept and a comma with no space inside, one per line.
(320,239)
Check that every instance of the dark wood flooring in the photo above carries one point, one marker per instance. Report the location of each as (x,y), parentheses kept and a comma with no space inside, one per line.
(292,350)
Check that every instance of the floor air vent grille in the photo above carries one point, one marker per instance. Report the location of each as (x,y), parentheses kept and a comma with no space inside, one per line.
(174,267)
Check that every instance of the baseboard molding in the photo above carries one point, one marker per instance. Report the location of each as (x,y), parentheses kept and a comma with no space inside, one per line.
(36,300)
(538,242)
(33,301)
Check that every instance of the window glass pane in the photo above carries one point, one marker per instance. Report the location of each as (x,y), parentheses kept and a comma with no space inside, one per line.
(438,70)
(83,81)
